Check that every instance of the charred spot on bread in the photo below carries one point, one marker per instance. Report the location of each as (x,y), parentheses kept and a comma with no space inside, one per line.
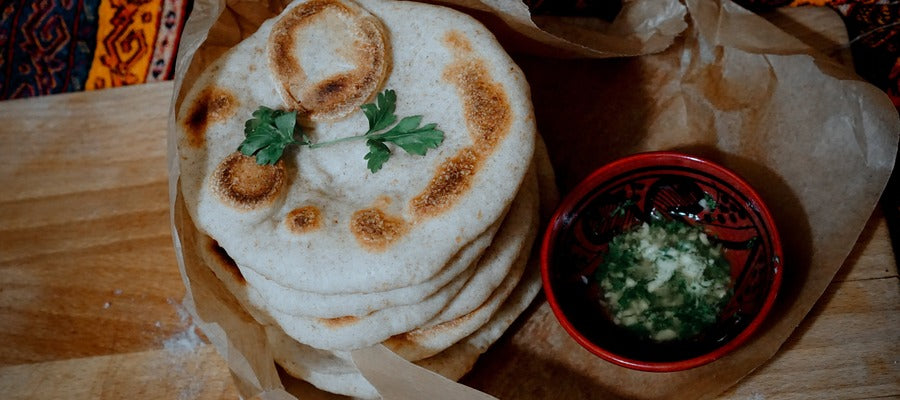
(488,113)
(452,180)
(362,45)
(418,334)
(375,230)
(488,116)
(213,104)
(400,341)
(412,341)
(339,322)
(304,219)
(331,88)
(457,42)
(242,183)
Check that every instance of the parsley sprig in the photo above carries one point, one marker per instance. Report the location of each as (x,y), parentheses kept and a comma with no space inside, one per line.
(270,131)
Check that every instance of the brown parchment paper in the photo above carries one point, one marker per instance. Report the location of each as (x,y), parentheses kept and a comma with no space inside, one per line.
(817,143)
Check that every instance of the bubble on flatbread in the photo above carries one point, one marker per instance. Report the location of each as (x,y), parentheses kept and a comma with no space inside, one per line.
(358,44)
(242,183)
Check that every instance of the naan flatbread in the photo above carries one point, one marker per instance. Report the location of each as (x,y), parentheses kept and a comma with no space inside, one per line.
(331,257)
(289,301)
(335,372)
(319,221)
(471,308)
(351,332)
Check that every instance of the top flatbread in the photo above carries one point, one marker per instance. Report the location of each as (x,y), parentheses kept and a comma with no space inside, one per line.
(319,221)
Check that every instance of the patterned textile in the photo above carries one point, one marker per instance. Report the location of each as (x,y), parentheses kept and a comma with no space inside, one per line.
(56,46)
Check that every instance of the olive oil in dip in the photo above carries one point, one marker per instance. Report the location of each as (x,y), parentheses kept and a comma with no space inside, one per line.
(664,280)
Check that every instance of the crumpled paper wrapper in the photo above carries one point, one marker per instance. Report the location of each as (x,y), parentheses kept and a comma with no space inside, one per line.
(705,77)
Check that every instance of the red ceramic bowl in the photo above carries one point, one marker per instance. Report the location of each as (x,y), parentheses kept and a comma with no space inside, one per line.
(623,194)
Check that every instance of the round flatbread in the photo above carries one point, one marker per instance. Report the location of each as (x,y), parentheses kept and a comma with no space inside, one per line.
(458,359)
(289,301)
(319,221)
(431,339)
(472,307)
(502,258)
(335,372)
(351,332)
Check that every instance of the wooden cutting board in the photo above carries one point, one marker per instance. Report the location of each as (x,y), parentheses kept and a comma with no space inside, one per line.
(90,295)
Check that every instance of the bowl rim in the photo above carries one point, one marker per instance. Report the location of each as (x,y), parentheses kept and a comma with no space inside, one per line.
(662,158)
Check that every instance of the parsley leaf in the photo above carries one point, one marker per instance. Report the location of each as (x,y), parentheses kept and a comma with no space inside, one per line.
(270,131)
(377,155)
(407,135)
(381,114)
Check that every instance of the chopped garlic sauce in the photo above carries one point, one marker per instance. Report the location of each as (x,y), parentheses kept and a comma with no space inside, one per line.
(664,280)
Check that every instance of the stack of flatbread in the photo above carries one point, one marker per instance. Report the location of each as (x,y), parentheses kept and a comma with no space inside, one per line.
(430,255)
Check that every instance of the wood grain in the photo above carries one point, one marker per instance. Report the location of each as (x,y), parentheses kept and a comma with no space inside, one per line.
(89,289)
(86,260)
(199,374)
(848,346)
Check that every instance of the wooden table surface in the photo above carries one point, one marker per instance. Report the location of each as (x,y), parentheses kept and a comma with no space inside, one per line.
(90,293)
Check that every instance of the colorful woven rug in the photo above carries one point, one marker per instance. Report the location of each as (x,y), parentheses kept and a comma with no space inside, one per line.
(56,46)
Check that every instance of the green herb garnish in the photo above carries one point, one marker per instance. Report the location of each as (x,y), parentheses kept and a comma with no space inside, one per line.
(621,208)
(270,131)
(708,202)
(664,280)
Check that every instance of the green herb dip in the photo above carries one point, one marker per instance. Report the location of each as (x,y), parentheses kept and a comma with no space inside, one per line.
(664,280)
